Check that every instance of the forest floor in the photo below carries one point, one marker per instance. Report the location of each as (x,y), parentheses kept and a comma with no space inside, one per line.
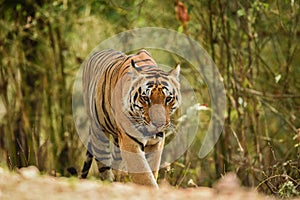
(27,183)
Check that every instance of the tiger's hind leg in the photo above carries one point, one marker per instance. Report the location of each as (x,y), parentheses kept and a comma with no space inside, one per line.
(87,164)
(100,147)
(103,161)
(105,172)
(118,165)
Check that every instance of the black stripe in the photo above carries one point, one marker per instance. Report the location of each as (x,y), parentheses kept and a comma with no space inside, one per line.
(108,125)
(87,163)
(99,151)
(144,60)
(150,83)
(154,76)
(135,97)
(128,57)
(164,83)
(149,67)
(102,159)
(103,169)
(102,137)
(136,140)
(109,128)
(165,88)
(117,158)
(143,51)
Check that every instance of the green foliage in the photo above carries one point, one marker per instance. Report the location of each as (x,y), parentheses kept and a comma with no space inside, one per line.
(288,190)
(255,45)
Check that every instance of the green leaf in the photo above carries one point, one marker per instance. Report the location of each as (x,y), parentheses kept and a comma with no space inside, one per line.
(180,29)
(18,7)
(241,12)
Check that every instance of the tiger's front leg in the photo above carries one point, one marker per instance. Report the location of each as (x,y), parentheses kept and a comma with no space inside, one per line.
(136,162)
(153,155)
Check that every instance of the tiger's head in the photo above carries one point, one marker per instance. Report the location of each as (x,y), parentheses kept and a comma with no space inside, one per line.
(153,97)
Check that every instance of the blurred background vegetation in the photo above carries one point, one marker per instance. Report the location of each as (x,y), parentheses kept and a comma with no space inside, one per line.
(254,43)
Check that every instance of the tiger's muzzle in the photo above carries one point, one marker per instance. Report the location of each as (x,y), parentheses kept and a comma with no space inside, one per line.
(157,114)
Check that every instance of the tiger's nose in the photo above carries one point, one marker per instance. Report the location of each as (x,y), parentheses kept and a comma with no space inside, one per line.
(157,114)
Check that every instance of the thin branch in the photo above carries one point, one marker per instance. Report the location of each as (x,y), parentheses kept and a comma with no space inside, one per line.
(266,95)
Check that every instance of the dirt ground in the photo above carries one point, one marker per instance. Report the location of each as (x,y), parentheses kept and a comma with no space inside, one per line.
(27,183)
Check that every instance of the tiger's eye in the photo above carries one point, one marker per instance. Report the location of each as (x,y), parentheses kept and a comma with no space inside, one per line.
(168,99)
(145,98)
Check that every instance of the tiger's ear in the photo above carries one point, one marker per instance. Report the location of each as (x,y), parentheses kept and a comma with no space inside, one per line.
(175,72)
(134,71)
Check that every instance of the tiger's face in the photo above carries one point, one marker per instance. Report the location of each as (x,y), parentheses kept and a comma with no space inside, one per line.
(153,97)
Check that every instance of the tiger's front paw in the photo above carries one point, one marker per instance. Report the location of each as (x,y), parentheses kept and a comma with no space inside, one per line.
(146,178)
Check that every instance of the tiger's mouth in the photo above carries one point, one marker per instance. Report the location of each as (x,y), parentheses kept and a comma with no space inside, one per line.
(158,135)
(151,132)
(155,138)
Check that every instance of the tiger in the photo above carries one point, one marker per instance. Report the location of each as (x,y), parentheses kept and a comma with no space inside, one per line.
(129,101)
